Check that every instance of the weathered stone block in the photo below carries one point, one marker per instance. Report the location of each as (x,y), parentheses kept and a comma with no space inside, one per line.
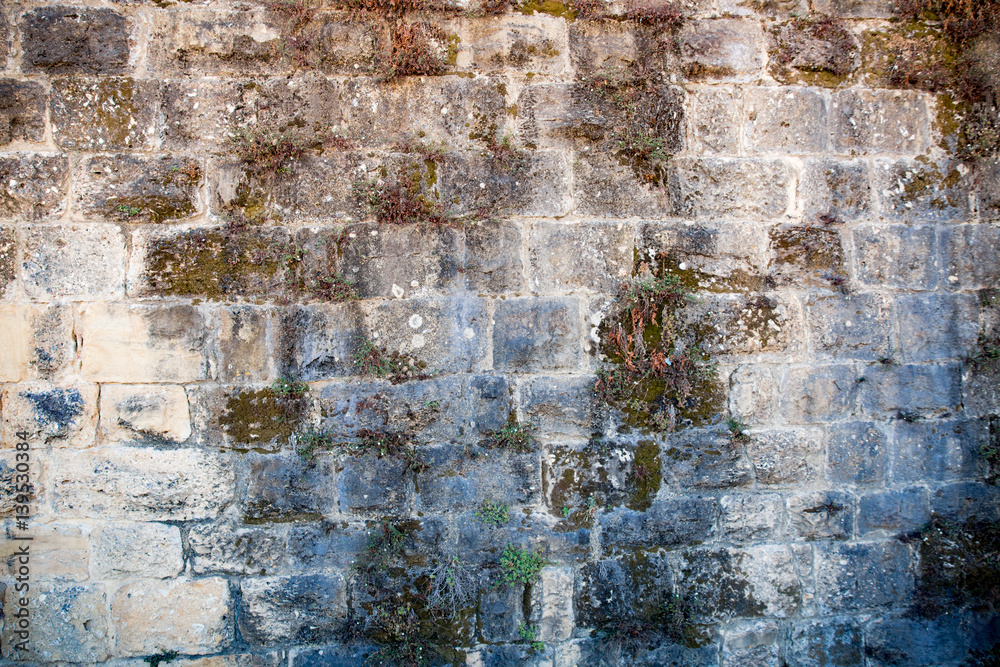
(852,326)
(5,37)
(228,549)
(73,40)
(855,9)
(103,114)
(500,615)
(81,262)
(897,256)
(715,119)
(302,609)
(672,521)
(915,641)
(22,111)
(58,552)
(453,481)
(247,417)
(493,258)
(588,256)
(141,483)
(752,643)
(806,255)
(556,622)
(284,489)
(751,518)
(14,320)
(68,623)
(320,546)
(58,416)
(818,393)
(721,49)
(912,190)
(893,512)
(20,485)
(538,43)
(822,642)
(706,460)
(316,341)
(189,615)
(8,257)
(203,114)
(752,392)
(785,120)
(560,407)
(988,191)
(122,343)
(852,577)
(857,453)
(819,52)
(835,191)
(244,350)
(821,515)
(967,501)
(600,44)
(729,325)
(52,348)
(532,335)
(604,188)
(537,187)
(369,485)
(125,549)
(134,189)
(34,185)
(936,450)
(786,456)
(969,252)
(728,187)
(937,326)
(883,121)
(912,391)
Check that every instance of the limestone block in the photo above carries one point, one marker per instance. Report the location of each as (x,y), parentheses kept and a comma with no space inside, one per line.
(818,393)
(60,416)
(189,615)
(937,450)
(716,118)
(141,483)
(835,190)
(917,641)
(599,44)
(786,120)
(284,488)
(5,37)
(821,515)
(20,485)
(822,53)
(202,114)
(68,623)
(537,335)
(275,658)
(493,261)
(14,321)
(560,407)
(58,552)
(123,343)
(586,256)
(819,642)
(82,262)
(883,121)
(22,111)
(325,546)
(751,518)
(71,40)
(912,391)
(786,456)
(805,255)
(752,394)
(672,521)
(721,49)
(933,327)
(852,577)
(901,256)
(604,188)
(518,42)
(857,453)
(967,501)
(852,326)
(706,460)
(917,190)
(135,189)
(104,114)
(556,622)
(732,326)
(244,351)
(374,486)
(34,185)
(52,351)
(316,341)
(540,186)
(453,481)
(127,549)
(738,188)
(8,258)
(969,251)
(859,9)
(236,549)
(893,512)
(292,609)
(753,643)
(988,192)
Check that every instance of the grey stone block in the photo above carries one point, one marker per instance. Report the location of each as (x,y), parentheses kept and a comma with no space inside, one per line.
(537,335)
(283,488)
(892,512)
(821,515)
(455,481)
(818,393)
(871,575)
(786,120)
(853,326)
(968,252)
(22,111)
(912,391)
(937,450)
(300,609)
(34,185)
(897,256)
(73,40)
(881,121)
(586,256)
(836,190)
(912,190)
(786,456)
(822,642)
(739,188)
(857,453)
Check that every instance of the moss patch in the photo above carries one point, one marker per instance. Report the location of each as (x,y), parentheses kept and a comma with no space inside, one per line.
(256,418)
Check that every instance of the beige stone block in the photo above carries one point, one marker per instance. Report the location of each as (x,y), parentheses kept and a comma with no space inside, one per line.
(56,415)
(140,412)
(556,624)
(14,350)
(58,551)
(137,549)
(141,483)
(20,481)
(74,261)
(123,343)
(187,616)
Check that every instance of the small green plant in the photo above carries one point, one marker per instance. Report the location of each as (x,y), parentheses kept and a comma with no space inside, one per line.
(519,566)
(429,151)
(332,288)
(128,211)
(393,444)
(313,441)
(266,152)
(513,437)
(395,628)
(374,361)
(737,429)
(397,200)
(161,658)
(492,513)
(566,511)
(529,635)
(504,153)
(385,545)
(285,388)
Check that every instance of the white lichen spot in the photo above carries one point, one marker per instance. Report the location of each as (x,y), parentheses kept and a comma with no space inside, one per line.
(416,321)
(417,341)
(469,333)
(397,291)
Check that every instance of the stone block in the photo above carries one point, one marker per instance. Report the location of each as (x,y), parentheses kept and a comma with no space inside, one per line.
(518,42)
(21,486)
(822,642)
(203,114)
(835,191)
(331,656)
(124,343)
(235,549)
(139,189)
(857,453)
(821,515)
(918,190)
(78,261)
(855,9)
(818,394)
(936,450)
(721,49)
(968,252)
(807,256)
(869,575)
(533,335)
(600,474)
(74,40)
(559,115)
(818,52)
(560,407)
(68,623)
(316,341)
(851,326)
(369,485)
(786,120)
(556,622)
(189,615)
(967,501)
(733,188)
(58,552)
(671,521)
(8,258)
(284,488)
(493,261)
(104,114)
(52,348)
(706,460)
(600,44)
(604,188)
(751,518)
(244,350)
(299,609)
(321,546)
(141,484)
(893,512)
(52,415)
(586,256)
(34,185)
(752,392)
(626,589)
(878,121)
(246,417)
(733,326)
(500,615)
(934,327)
(912,391)
(5,38)
(915,641)
(715,119)
(454,481)
(988,190)
(790,457)
(22,111)
(753,643)
(125,549)
(900,256)
(540,186)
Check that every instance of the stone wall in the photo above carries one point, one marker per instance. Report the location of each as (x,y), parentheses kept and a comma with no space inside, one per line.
(196,216)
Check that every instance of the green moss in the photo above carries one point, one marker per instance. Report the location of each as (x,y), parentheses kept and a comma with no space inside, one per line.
(153,208)
(256,418)
(646,476)
(550,7)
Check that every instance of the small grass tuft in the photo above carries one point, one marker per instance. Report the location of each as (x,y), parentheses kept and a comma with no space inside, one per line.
(161,658)
(505,154)
(520,566)
(493,513)
(737,429)
(529,635)
(266,152)
(374,361)
(286,388)
(310,442)
(513,437)
(398,201)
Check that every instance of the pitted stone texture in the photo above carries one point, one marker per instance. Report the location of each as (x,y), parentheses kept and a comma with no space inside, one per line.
(560,407)
(589,256)
(912,391)
(937,450)
(820,515)
(13,486)
(969,251)
(933,327)
(918,189)
(855,9)
(372,486)
(556,622)
(787,120)
(753,643)
(806,255)
(883,121)
(900,256)
(967,501)
(721,49)
(56,415)
(493,261)
(728,325)
(22,111)
(822,642)
(141,484)
(751,518)
(622,589)
(79,262)
(988,192)
(604,188)
(836,190)
(190,615)
(892,513)
(673,521)
(124,550)
(536,43)
(737,188)
(818,393)
(122,343)
(300,609)
(857,453)
(52,348)
(132,413)
(5,37)
(540,186)
(135,189)
(601,44)
(716,119)
(705,460)
(236,549)
(103,114)
(752,393)
(786,456)
(34,185)
(202,114)
(854,326)
(453,481)
(852,577)
(820,52)
(72,40)
(68,623)
(58,552)
(284,489)
(316,342)
(532,335)
(244,349)
(8,258)
(325,546)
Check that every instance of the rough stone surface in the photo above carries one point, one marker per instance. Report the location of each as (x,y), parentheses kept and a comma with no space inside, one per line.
(272,609)
(70,40)
(22,111)
(34,185)
(126,550)
(103,114)
(80,262)
(69,624)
